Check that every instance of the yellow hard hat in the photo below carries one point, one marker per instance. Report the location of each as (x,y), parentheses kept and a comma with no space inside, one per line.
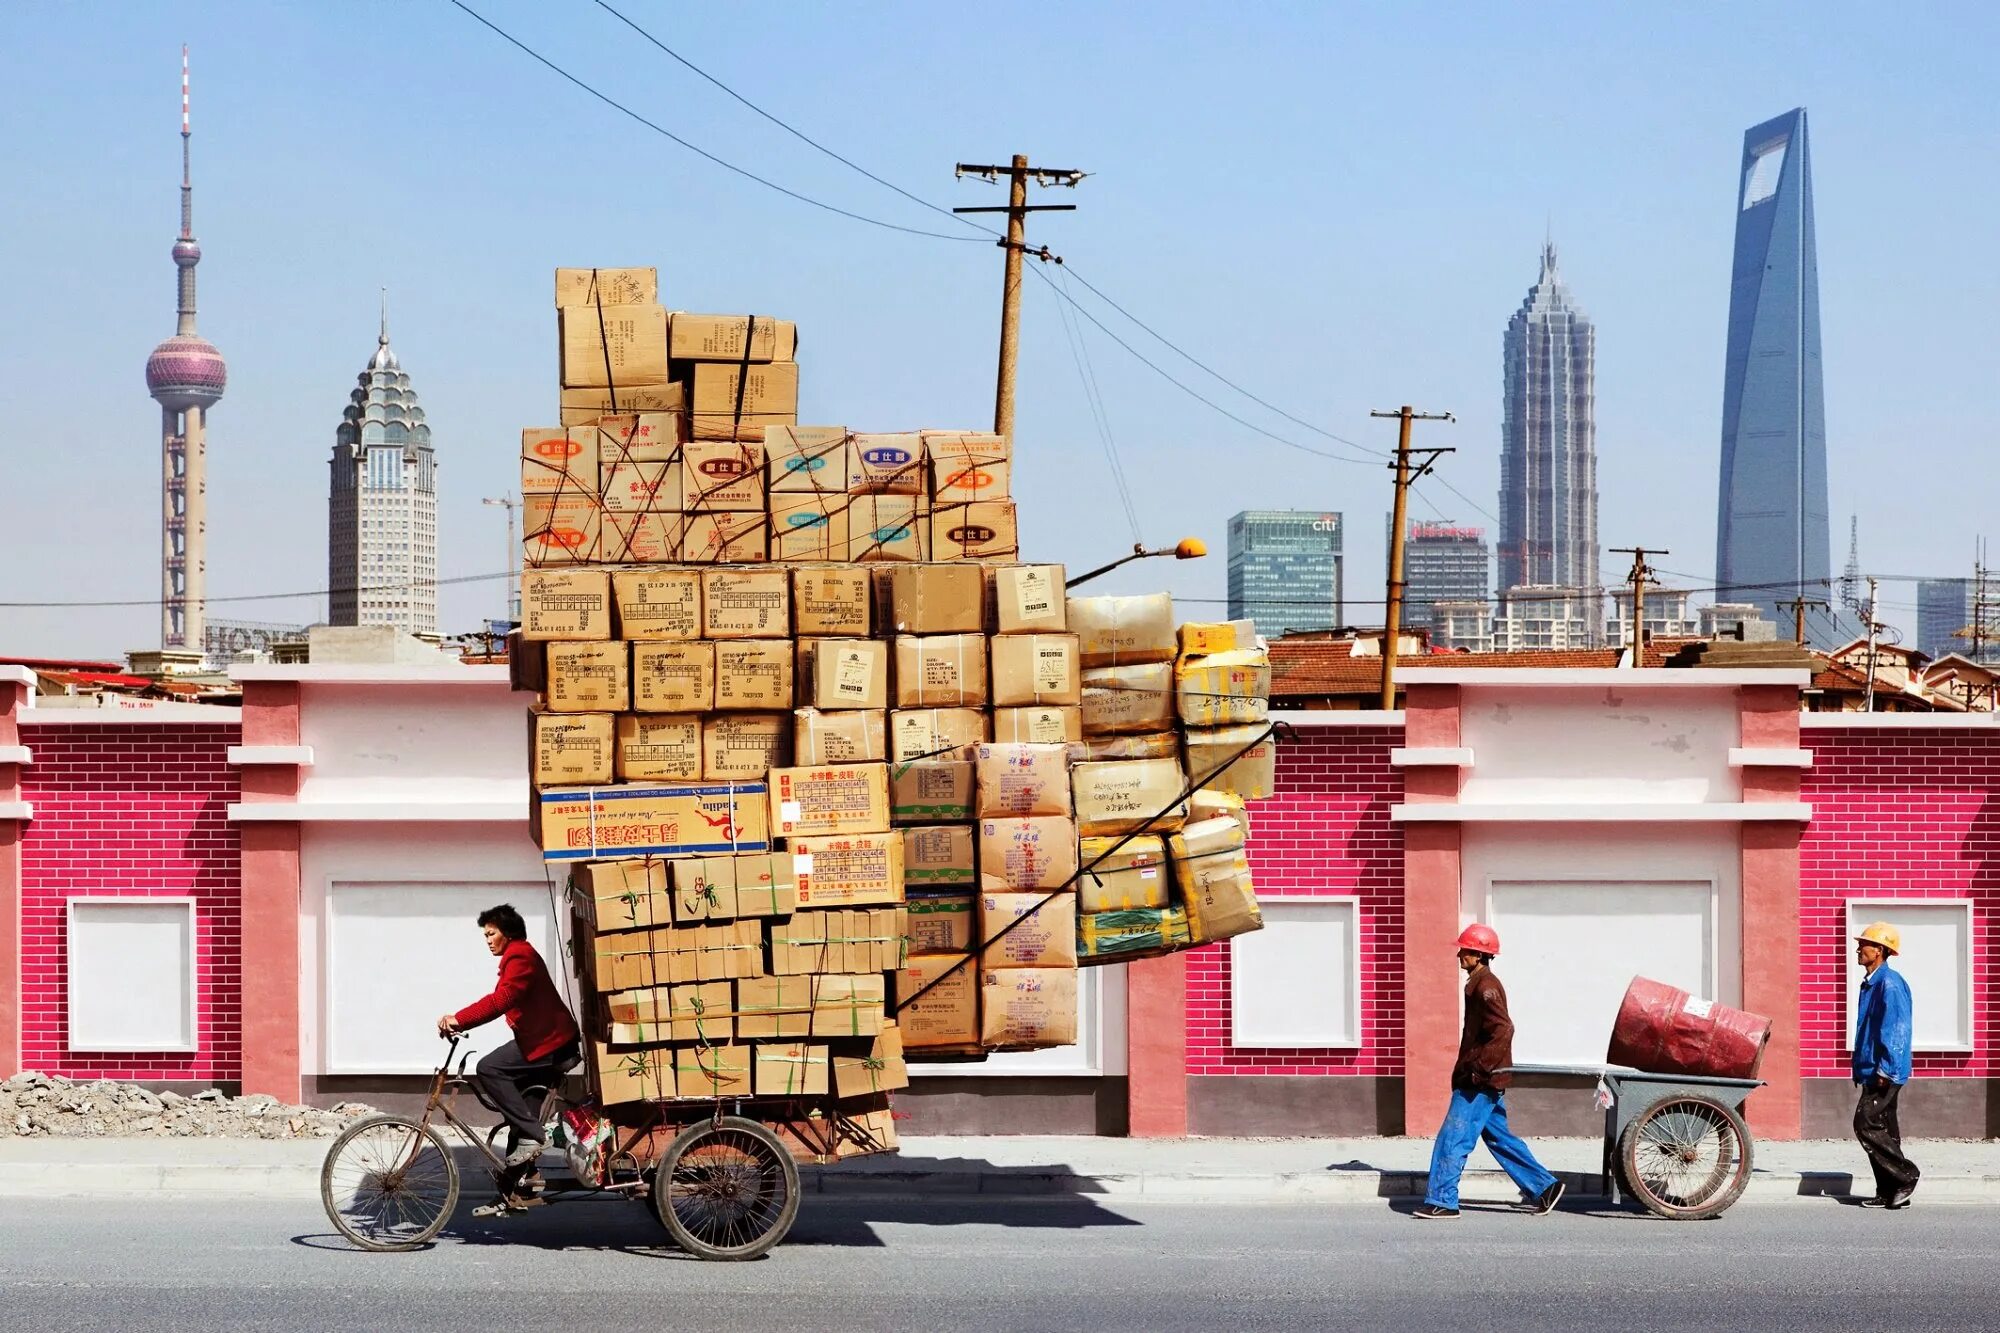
(1884,934)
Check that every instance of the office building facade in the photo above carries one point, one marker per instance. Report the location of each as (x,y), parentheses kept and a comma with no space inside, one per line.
(382,503)
(1285,570)
(1443,563)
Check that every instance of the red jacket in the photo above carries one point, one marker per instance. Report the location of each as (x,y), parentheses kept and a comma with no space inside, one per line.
(529,998)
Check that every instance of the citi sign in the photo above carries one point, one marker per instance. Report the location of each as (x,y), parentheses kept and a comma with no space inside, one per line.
(1328,524)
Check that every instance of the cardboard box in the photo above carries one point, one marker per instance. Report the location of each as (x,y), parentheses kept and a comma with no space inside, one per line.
(565,604)
(721,479)
(702,1011)
(655,604)
(624,895)
(569,748)
(704,889)
(560,529)
(584,407)
(941,671)
(746,603)
(607,286)
(1124,631)
(1214,879)
(643,437)
(718,951)
(713,1071)
(1207,803)
(1123,700)
(559,461)
(1038,726)
(1103,749)
(1225,636)
(937,599)
(848,869)
(1147,795)
(588,677)
(934,733)
(926,791)
(870,939)
(658,747)
(1028,599)
(947,1014)
(885,528)
(1027,930)
(941,922)
(774,1006)
(722,394)
(806,460)
(966,466)
(808,527)
(673,676)
(1035,669)
(1224,688)
(849,1006)
(649,819)
(940,857)
(745,746)
(651,1005)
(725,539)
(878,1070)
(847,673)
(1234,759)
(641,539)
(753,674)
(832,603)
(625,961)
(642,488)
(765,885)
(981,530)
(613,345)
(1019,779)
(825,799)
(633,1076)
(1137,932)
(791,1069)
(1037,852)
(798,944)
(752,338)
(886,465)
(1027,1007)
(867,1132)
(851,736)
(526,664)
(1133,876)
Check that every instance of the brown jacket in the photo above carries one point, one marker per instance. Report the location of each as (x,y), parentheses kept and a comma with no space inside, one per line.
(1487,1043)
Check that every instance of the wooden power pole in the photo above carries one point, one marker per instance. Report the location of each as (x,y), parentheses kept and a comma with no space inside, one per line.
(1392,623)
(1015,244)
(1640,572)
(1799,606)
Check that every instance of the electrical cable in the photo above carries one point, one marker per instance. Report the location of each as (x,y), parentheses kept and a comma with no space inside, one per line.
(1102,421)
(268,596)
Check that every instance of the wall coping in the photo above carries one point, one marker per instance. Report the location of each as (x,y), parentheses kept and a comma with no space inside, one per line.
(1338,717)
(17,675)
(381,812)
(1684,678)
(161,714)
(1769,757)
(16,810)
(16,754)
(1431,756)
(371,673)
(1894,721)
(1601,812)
(301,755)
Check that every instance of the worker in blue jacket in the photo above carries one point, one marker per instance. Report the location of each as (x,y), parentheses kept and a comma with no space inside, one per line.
(1882,1065)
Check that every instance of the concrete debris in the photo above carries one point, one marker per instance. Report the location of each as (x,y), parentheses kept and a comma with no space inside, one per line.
(34,1105)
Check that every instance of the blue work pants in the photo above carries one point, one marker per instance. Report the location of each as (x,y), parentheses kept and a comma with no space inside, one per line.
(1474,1116)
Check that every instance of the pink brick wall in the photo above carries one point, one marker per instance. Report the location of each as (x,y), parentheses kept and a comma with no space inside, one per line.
(1905,813)
(131,809)
(1326,833)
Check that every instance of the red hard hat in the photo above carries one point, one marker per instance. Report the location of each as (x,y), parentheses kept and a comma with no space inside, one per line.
(1479,939)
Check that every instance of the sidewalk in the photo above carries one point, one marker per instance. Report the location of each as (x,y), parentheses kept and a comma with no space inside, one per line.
(1217,1169)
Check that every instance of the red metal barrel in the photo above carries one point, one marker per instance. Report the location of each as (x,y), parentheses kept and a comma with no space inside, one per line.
(1663,1030)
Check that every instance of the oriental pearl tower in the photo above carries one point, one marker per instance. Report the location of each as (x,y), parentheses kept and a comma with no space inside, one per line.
(186,376)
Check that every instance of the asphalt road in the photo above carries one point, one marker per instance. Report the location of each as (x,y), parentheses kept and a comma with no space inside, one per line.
(1063,1264)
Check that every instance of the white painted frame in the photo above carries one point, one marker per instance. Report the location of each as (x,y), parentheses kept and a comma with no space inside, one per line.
(1275,909)
(190,1017)
(1881,907)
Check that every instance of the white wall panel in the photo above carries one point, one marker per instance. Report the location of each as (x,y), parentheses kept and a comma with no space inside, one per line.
(1297,982)
(1600,744)
(131,974)
(1936,960)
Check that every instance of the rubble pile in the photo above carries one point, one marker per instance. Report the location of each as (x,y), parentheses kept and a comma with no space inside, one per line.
(49,1106)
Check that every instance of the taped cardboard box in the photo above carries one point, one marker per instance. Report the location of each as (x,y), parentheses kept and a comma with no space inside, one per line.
(650,1005)
(641,539)
(587,406)
(1028,599)
(765,885)
(657,603)
(1124,631)
(808,527)
(1139,932)
(940,857)
(791,1069)
(926,791)
(1120,701)
(1017,779)
(885,528)
(832,603)
(632,437)
(1224,688)
(779,1006)
(1206,803)
(658,747)
(851,736)
(1027,1007)
(941,671)
(1134,875)
(1129,796)
(941,922)
(1240,759)
(826,799)
(980,530)
(559,461)
(713,1071)
(1103,749)
(1222,903)
(673,676)
(849,673)
(624,895)
(560,529)
(720,951)
(746,603)
(725,539)
(633,1076)
(750,338)
(588,677)
(1199,639)
(1038,725)
(642,488)
(1035,669)
(936,599)
(1027,930)
(649,819)
(806,460)
(947,1014)
(877,1070)
(848,869)
(701,1011)
(626,961)
(848,1005)
(968,466)
(745,746)
(569,748)
(704,889)
(886,464)
(565,604)
(934,733)
(721,479)
(1037,852)
(613,345)
(753,674)
(607,286)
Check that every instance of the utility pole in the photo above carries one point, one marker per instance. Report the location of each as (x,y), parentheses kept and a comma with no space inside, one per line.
(1015,244)
(1868,698)
(1640,571)
(1799,605)
(1393,622)
(512,601)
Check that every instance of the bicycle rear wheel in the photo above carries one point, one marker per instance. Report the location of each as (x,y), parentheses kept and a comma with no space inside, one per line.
(727,1189)
(389,1183)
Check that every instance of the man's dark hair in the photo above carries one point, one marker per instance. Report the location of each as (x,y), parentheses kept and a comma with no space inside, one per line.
(507,919)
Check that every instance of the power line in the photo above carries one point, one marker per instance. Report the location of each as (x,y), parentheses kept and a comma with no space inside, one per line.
(1101,420)
(270,596)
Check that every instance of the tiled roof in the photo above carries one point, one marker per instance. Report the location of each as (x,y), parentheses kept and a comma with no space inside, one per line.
(1312,668)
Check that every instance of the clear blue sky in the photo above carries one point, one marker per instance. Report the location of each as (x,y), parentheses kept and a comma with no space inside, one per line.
(1339,206)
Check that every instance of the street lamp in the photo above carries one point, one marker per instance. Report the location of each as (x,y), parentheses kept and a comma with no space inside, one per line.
(1188,548)
(513,599)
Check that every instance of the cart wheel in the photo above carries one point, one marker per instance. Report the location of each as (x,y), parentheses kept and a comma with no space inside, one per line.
(389,1183)
(1687,1158)
(726,1189)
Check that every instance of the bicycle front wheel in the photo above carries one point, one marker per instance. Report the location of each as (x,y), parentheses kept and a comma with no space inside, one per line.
(389,1183)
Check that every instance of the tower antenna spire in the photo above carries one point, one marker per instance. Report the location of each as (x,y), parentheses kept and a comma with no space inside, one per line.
(382,339)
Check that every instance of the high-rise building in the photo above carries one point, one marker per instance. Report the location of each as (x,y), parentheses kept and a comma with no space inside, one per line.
(186,376)
(382,510)
(1443,563)
(1950,619)
(1548,442)
(1772,542)
(1285,570)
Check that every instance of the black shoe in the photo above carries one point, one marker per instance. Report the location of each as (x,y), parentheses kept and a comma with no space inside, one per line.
(1901,1198)
(1431,1212)
(1877,1202)
(1546,1201)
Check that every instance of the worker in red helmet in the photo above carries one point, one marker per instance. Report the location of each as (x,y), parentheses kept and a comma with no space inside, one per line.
(1478,1092)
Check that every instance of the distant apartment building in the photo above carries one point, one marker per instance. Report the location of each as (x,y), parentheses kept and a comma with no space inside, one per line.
(1667,615)
(1950,619)
(1285,570)
(1734,620)
(1530,617)
(1443,563)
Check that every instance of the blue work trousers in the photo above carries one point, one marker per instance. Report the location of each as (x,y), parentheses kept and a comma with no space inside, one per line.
(1474,1116)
